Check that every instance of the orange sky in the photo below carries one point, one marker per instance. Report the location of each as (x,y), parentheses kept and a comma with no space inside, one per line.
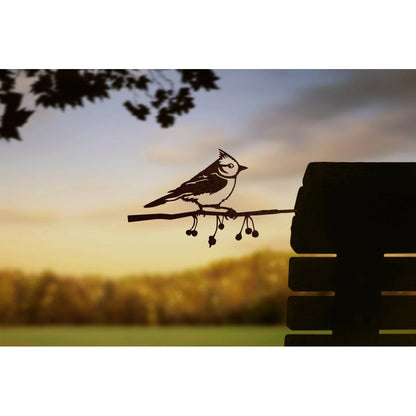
(68,187)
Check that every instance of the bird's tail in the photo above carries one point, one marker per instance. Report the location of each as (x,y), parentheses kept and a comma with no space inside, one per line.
(162,200)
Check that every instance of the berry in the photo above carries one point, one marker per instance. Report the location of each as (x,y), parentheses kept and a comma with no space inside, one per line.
(238,237)
(255,234)
(248,230)
(211,240)
(194,233)
(188,232)
(221,226)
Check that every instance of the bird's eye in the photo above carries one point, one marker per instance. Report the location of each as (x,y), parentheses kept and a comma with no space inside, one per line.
(230,165)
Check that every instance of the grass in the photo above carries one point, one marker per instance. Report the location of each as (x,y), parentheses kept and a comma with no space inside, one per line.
(142,336)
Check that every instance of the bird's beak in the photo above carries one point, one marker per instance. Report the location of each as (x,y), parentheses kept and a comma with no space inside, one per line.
(242,168)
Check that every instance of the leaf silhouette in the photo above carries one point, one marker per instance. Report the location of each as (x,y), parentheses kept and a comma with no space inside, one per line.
(140,111)
(13,117)
(164,118)
(62,88)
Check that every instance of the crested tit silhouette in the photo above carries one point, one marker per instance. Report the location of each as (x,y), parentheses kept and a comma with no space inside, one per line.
(210,187)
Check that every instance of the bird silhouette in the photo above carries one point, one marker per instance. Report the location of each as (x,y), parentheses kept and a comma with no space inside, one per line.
(210,187)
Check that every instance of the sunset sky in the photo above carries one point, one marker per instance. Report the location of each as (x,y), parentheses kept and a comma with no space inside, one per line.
(67,188)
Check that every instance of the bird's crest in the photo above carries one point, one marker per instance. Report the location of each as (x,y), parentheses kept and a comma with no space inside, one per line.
(223,154)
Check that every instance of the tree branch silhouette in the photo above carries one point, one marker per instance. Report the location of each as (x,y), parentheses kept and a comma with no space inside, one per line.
(62,88)
(147,217)
(248,221)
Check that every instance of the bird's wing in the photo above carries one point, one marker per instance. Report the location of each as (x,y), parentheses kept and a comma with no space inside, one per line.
(202,183)
(212,168)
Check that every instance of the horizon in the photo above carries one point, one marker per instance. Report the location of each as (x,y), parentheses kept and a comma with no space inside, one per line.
(156,274)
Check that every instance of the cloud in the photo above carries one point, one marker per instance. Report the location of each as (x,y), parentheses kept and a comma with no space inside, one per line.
(354,116)
(365,114)
(344,140)
(355,90)
(17,216)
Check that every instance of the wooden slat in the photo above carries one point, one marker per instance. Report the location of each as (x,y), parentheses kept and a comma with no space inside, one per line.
(319,273)
(399,273)
(309,340)
(312,273)
(317,312)
(398,312)
(356,206)
(309,312)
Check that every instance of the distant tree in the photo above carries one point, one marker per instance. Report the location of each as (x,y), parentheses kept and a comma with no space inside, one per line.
(151,90)
(250,290)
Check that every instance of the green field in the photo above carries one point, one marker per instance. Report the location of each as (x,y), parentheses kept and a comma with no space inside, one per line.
(143,336)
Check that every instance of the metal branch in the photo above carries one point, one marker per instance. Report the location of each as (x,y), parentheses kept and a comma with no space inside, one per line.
(146,217)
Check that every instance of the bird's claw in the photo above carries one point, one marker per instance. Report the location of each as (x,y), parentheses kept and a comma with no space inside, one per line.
(230,214)
(200,212)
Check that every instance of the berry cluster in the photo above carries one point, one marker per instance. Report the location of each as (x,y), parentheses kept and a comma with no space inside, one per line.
(219,225)
(192,231)
(254,233)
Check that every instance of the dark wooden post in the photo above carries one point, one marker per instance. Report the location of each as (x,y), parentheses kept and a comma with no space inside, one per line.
(358,211)
(357,298)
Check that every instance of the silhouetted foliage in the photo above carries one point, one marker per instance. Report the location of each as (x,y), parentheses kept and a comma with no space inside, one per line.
(13,117)
(73,87)
(250,290)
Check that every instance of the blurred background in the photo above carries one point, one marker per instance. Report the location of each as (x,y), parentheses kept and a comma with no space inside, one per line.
(75,272)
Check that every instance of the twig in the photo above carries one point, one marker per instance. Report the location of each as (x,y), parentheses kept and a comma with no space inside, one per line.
(146,217)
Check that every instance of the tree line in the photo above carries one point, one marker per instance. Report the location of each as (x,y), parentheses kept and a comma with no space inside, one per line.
(250,290)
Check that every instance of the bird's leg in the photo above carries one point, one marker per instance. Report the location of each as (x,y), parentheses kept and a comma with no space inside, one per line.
(231,213)
(201,209)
